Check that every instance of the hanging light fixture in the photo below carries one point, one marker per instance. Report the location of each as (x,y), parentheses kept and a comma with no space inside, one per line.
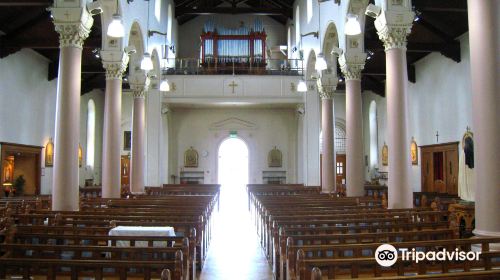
(164,85)
(320,63)
(302,86)
(115,28)
(352,26)
(147,63)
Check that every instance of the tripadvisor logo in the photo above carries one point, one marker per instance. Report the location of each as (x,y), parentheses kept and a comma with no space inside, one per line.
(387,255)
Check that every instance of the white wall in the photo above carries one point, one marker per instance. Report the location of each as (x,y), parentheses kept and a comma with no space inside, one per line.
(189,42)
(28,104)
(28,109)
(262,130)
(440,100)
(85,171)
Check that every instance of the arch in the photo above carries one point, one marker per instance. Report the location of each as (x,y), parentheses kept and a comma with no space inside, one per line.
(339,136)
(311,61)
(372,119)
(330,40)
(156,67)
(90,156)
(136,40)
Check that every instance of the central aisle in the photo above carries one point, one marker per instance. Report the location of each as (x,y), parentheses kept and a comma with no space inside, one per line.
(235,252)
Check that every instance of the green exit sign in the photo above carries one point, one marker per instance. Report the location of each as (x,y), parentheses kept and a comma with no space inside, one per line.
(233,134)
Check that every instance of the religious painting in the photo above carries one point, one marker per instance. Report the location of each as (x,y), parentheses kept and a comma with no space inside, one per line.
(414,152)
(385,155)
(127,140)
(8,169)
(275,158)
(468,147)
(49,153)
(191,158)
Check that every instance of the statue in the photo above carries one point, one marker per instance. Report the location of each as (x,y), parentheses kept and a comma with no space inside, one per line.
(385,155)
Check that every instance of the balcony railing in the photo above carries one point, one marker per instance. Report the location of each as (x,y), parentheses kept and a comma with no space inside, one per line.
(233,65)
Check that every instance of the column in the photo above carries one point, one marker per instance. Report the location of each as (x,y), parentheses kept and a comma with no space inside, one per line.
(328,171)
(351,66)
(392,29)
(115,63)
(300,110)
(312,122)
(73,26)
(153,135)
(139,87)
(484,50)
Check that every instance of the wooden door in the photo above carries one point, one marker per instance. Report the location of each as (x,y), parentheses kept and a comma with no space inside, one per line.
(426,171)
(125,171)
(452,171)
(340,165)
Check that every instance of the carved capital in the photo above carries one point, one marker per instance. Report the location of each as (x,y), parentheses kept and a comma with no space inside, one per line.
(115,64)
(72,24)
(351,66)
(394,27)
(139,83)
(327,86)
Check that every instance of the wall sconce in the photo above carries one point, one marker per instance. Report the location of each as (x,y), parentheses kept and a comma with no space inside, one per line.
(80,155)
(49,153)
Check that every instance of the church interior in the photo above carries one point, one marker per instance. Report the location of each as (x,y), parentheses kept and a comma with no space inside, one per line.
(245,139)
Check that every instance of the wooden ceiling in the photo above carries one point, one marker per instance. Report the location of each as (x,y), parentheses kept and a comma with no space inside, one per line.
(27,24)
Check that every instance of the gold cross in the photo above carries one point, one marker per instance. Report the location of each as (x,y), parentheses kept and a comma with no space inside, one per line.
(233,85)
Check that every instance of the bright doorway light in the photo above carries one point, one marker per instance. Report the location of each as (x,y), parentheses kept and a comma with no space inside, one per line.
(233,163)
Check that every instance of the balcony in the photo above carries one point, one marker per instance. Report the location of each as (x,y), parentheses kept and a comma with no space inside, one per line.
(231,65)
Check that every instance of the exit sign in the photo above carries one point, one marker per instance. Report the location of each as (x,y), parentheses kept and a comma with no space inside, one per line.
(233,134)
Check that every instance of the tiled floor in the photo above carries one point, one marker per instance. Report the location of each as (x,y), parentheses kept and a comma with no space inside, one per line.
(235,252)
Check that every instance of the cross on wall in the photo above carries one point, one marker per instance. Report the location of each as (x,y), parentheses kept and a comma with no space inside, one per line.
(233,85)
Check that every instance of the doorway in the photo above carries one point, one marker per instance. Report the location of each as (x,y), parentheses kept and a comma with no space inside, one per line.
(233,172)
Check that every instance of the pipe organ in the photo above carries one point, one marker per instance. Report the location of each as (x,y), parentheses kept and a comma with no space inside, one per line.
(237,47)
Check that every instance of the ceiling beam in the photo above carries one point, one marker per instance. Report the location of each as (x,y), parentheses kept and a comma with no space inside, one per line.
(448,49)
(373,84)
(230,10)
(26,25)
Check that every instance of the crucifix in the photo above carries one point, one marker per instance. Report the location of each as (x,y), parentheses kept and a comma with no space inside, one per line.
(233,85)
(437,136)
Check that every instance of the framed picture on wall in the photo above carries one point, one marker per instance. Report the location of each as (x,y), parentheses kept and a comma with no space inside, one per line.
(414,152)
(385,155)
(127,140)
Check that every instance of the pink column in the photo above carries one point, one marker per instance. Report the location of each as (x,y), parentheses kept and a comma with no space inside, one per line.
(484,57)
(138,133)
(393,28)
(328,156)
(354,153)
(72,33)
(112,134)
(351,67)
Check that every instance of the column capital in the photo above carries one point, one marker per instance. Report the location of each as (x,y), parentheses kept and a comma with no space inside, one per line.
(115,63)
(393,28)
(300,109)
(139,83)
(326,86)
(352,65)
(73,25)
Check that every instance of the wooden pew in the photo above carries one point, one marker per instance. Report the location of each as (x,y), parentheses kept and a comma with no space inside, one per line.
(357,260)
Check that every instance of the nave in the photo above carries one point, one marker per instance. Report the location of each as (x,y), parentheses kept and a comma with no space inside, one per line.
(234,226)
